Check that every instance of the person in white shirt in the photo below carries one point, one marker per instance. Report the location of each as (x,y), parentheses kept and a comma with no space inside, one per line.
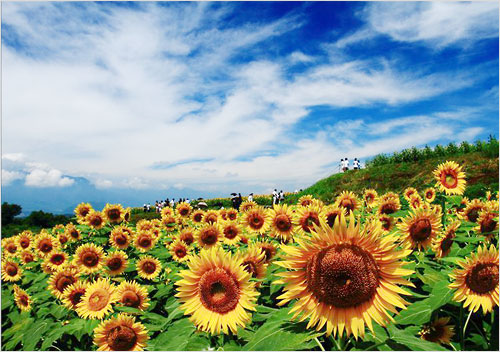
(281,196)
(355,164)
(346,164)
(275,196)
(250,197)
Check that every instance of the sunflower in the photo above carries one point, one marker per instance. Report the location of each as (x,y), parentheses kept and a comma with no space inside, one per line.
(209,235)
(179,251)
(197,215)
(230,231)
(488,221)
(348,201)
(120,333)
(45,243)
(9,246)
(72,294)
(144,241)
(420,228)
(472,210)
(305,200)
(345,277)
(95,219)
(305,217)
(148,267)
(56,259)
(253,261)
(97,300)
(256,220)
(430,195)
(27,256)
(89,257)
(61,279)
(450,178)
(22,299)
(116,263)
(247,205)
(183,209)
(477,281)
(72,232)
(282,222)
(11,271)
(211,217)
(370,197)
(268,249)
(131,294)
(63,238)
(58,228)
(187,236)
(113,213)
(415,201)
(120,237)
(223,214)
(331,212)
(442,245)
(81,212)
(387,222)
(438,331)
(216,292)
(389,203)
(409,192)
(232,214)
(169,222)
(127,213)
(25,240)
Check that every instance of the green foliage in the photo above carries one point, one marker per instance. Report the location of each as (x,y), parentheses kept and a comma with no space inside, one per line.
(9,211)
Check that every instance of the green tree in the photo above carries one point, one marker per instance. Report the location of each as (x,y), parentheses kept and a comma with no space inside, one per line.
(9,211)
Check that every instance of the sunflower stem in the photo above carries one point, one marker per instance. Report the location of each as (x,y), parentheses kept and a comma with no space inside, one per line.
(462,344)
(319,344)
(467,322)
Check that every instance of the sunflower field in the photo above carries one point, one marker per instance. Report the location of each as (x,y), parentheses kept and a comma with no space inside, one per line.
(411,271)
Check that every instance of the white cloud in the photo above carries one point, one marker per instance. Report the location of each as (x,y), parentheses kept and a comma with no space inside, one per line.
(439,23)
(103,184)
(50,178)
(9,176)
(16,157)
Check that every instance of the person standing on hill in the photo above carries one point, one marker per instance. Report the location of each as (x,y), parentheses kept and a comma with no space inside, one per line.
(275,196)
(250,197)
(355,164)
(346,164)
(341,167)
(240,200)
(281,197)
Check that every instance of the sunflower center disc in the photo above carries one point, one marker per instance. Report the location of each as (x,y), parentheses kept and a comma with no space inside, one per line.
(144,242)
(98,300)
(64,281)
(197,217)
(308,221)
(268,252)
(114,214)
(90,259)
(330,219)
(256,221)
(131,299)
(387,208)
(23,299)
(483,277)
(209,237)
(96,221)
(45,246)
(434,333)
(121,239)
(250,267)
(121,338)
(12,248)
(446,243)
(63,239)
(57,259)
(420,230)
(488,224)
(115,264)
(211,218)
(74,234)
(342,275)
(180,252)
(28,258)
(219,291)
(24,243)
(347,204)
(76,297)
(11,269)
(230,232)
(184,211)
(450,180)
(473,214)
(283,223)
(149,267)
(187,238)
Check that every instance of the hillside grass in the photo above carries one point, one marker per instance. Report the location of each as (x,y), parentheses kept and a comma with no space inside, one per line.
(481,172)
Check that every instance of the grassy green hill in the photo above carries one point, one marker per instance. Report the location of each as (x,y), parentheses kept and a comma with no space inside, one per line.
(481,172)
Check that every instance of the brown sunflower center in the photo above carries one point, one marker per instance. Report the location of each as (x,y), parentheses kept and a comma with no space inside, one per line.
(269,252)
(84,211)
(388,208)
(121,338)
(115,263)
(149,267)
(219,291)
(473,214)
(90,259)
(447,243)
(187,238)
(76,296)
(211,218)
(386,223)
(433,333)
(232,216)
(184,211)
(369,198)
(347,204)
(114,214)
(28,257)
(488,224)
(197,217)
(449,179)
(180,252)
(45,245)
(330,219)
(121,239)
(131,299)
(11,248)
(98,300)
(209,236)
(144,242)
(11,269)
(95,221)
(283,223)
(429,195)
(57,259)
(483,277)
(420,230)
(24,300)
(308,220)
(306,202)
(74,233)
(250,266)
(230,232)
(255,221)
(342,275)
(63,239)
(64,281)
(24,243)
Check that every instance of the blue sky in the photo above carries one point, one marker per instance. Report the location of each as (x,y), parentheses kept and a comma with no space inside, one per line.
(248,96)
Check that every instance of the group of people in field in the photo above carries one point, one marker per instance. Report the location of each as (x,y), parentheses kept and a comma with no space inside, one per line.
(159,205)
(344,164)
(278,197)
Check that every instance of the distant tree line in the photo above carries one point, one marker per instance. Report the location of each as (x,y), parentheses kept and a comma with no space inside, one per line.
(488,148)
